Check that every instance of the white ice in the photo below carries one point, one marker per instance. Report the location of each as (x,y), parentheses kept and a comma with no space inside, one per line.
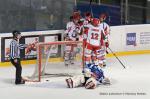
(130,83)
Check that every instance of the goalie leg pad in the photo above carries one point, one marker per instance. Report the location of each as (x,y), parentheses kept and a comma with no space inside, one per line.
(90,83)
(69,83)
(75,81)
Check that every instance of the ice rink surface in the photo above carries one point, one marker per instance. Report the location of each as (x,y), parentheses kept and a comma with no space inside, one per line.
(130,83)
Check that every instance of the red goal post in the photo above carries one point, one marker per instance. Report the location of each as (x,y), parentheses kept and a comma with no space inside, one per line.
(41,45)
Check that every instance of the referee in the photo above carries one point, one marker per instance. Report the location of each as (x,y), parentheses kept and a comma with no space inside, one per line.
(15,55)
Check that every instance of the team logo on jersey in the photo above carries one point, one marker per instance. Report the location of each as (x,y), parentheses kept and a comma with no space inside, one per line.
(131,39)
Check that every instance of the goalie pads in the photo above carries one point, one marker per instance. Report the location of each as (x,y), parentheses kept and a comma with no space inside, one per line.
(90,83)
(69,82)
(75,81)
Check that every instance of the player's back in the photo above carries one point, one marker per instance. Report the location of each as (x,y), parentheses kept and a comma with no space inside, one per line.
(94,35)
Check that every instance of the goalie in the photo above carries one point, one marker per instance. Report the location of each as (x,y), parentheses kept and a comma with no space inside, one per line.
(91,77)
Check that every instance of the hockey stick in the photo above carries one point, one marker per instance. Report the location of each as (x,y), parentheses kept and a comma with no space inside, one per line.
(91,8)
(117,58)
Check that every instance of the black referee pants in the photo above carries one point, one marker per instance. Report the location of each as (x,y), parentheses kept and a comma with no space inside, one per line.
(18,70)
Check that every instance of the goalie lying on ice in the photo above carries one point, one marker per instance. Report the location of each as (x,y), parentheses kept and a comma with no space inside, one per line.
(91,77)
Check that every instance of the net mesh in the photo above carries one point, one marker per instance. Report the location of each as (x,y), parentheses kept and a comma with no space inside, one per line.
(61,58)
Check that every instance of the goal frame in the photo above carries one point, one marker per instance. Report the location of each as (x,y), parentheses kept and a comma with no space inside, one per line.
(39,55)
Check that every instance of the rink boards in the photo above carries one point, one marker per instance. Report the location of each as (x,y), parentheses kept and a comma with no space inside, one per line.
(124,40)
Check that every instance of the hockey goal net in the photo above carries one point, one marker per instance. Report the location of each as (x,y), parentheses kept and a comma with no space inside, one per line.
(60,58)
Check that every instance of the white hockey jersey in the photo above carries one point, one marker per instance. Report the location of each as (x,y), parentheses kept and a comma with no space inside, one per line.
(94,35)
(72,30)
(106,28)
(85,23)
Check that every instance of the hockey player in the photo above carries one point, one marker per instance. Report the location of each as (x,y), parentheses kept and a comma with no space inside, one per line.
(92,76)
(94,41)
(71,34)
(106,29)
(87,19)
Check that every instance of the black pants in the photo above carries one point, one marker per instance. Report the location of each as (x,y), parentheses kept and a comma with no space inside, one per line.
(18,70)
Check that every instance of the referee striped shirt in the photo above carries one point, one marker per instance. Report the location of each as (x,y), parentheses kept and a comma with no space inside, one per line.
(15,49)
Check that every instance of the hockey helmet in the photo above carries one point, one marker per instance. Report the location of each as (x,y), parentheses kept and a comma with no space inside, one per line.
(103,16)
(88,16)
(76,15)
(95,21)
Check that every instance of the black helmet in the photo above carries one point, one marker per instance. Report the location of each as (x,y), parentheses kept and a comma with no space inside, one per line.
(15,33)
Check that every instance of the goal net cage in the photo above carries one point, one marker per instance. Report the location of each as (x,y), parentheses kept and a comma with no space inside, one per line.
(51,59)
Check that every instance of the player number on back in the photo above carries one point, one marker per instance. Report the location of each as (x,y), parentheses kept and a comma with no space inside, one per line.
(94,36)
